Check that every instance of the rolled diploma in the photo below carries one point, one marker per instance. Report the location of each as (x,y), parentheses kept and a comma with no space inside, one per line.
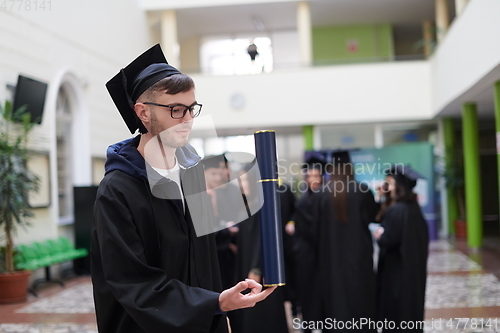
(273,268)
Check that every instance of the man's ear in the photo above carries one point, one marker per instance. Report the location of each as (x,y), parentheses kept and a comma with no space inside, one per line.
(142,112)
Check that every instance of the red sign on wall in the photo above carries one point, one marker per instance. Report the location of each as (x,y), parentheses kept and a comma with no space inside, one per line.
(352,45)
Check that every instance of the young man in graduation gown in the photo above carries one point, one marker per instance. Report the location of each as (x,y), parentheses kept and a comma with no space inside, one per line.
(402,266)
(150,271)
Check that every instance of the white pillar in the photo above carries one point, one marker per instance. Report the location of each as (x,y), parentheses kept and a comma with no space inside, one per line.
(379,136)
(304,30)
(317,138)
(442,19)
(460,6)
(169,42)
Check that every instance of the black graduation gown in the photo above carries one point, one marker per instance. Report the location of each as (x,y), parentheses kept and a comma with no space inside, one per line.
(306,258)
(287,201)
(150,273)
(227,258)
(344,262)
(267,316)
(226,199)
(402,265)
(346,256)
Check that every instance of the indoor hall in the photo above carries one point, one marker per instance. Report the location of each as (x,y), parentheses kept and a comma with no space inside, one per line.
(414,82)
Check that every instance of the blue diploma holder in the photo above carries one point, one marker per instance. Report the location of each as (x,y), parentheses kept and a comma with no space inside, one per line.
(273,267)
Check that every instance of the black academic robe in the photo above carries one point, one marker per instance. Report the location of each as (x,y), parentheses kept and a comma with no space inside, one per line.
(346,257)
(150,272)
(344,250)
(402,265)
(227,258)
(227,198)
(287,202)
(267,316)
(306,258)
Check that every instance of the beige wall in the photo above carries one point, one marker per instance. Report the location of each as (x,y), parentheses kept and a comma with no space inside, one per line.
(80,45)
(190,55)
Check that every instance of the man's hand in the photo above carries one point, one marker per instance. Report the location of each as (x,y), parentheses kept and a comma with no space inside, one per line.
(232,298)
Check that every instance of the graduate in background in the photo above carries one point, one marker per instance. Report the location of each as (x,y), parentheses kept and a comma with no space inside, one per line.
(404,239)
(216,180)
(341,215)
(383,197)
(287,201)
(269,316)
(305,246)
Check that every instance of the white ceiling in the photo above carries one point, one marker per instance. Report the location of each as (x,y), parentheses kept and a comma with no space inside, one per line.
(283,15)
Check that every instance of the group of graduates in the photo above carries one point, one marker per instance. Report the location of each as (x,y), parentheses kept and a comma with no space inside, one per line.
(328,249)
(334,249)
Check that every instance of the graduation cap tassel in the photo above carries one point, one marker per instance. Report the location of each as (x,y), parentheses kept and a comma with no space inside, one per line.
(140,125)
(125,87)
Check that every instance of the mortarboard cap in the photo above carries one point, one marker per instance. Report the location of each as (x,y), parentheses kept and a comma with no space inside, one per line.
(126,86)
(341,157)
(404,174)
(314,160)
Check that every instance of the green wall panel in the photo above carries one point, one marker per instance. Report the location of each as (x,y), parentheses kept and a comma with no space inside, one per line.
(355,43)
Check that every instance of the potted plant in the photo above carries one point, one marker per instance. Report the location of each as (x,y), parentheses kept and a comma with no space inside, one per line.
(16,181)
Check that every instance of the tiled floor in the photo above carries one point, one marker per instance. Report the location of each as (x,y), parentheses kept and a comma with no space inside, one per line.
(57,310)
(463,295)
(463,289)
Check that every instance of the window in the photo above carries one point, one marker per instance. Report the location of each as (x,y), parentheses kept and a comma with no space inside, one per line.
(226,56)
(64,118)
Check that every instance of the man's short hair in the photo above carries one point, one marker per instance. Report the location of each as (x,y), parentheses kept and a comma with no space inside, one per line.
(171,85)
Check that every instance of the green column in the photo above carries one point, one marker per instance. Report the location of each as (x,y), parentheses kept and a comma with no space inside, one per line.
(472,176)
(497,120)
(450,160)
(308,133)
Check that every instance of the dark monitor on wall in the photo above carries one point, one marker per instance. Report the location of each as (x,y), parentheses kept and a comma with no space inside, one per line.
(31,93)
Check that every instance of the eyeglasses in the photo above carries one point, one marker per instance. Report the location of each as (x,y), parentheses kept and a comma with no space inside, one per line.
(178,111)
